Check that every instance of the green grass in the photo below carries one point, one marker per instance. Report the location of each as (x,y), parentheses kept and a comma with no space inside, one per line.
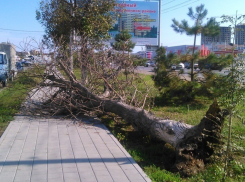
(12,96)
(156,157)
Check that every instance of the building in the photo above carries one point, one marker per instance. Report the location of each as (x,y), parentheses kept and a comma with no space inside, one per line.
(128,22)
(223,38)
(22,54)
(35,52)
(146,54)
(240,35)
(182,49)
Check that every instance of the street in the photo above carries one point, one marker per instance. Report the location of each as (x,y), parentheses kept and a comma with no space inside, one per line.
(186,75)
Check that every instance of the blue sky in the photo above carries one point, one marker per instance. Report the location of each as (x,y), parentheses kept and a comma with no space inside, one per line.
(20,15)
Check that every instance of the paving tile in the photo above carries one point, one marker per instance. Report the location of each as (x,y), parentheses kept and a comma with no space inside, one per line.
(23,168)
(39,168)
(104,178)
(83,166)
(88,179)
(22,176)
(9,169)
(57,175)
(71,177)
(103,172)
(69,165)
(41,177)
(54,157)
(56,150)
(7,176)
(52,169)
(69,169)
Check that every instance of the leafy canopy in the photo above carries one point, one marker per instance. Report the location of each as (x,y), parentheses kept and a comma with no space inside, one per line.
(88,18)
(211,28)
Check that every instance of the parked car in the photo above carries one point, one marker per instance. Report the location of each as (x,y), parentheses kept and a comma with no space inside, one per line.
(195,66)
(180,66)
(7,68)
(150,63)
(31,57)
(187,65)
(26,62)
(173,67)
(19,66)
(213,66)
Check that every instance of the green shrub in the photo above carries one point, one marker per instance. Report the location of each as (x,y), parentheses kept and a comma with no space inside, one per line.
(179,90)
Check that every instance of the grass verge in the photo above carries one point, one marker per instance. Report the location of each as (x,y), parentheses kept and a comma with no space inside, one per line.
(12,96)
(156,157)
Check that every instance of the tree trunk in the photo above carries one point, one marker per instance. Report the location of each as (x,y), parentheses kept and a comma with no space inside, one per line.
(193,144)
(192,60)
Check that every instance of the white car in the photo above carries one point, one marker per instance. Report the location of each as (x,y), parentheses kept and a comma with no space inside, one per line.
(181,66)
(150,63)
(173,67)
(195,66)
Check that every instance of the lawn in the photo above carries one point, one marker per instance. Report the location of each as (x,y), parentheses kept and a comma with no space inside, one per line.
(12,96)
(156,157)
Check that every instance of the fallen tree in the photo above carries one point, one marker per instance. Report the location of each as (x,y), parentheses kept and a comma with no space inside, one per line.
(106,81)
(107,90)
(193,144)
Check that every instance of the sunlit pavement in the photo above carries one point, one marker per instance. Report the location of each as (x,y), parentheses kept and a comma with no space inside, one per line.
(38,149)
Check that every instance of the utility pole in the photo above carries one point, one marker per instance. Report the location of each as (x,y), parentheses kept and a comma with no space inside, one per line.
(159,24)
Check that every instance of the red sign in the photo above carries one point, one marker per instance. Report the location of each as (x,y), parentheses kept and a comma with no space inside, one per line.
(143,28)
(148,55)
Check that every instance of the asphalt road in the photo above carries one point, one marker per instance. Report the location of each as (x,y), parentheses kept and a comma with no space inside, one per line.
(186,75)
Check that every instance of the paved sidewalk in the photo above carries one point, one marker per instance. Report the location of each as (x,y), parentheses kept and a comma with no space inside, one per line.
(38,150)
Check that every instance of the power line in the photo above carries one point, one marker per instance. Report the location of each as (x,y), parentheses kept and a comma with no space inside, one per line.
(179,7)
(168,2)
(20,30)
(176,5)
(226,15)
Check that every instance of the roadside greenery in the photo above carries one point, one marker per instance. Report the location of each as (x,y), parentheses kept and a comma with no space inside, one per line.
(175,98)
(90,19)
(12,96)
(215,62)
(170,102)
(211,28)
(155,158)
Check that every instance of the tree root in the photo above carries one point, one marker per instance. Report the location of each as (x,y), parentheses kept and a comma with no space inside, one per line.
(198,145)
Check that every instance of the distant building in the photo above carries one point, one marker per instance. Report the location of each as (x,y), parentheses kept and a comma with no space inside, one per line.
(146,54)
(22,54)
(127,22)
(182,49)
(240,35)
(223,38)
(34,52)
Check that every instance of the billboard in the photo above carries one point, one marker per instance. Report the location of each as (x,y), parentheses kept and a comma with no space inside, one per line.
(140,18)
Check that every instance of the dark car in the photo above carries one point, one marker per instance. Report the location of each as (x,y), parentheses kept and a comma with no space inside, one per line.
(19,66)
(187,65)
(213,66)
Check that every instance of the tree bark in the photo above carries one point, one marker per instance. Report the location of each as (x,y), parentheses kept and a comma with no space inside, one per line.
(192,60)
(193,144)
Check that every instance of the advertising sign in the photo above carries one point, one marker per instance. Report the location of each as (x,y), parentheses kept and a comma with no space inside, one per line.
(140,18)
